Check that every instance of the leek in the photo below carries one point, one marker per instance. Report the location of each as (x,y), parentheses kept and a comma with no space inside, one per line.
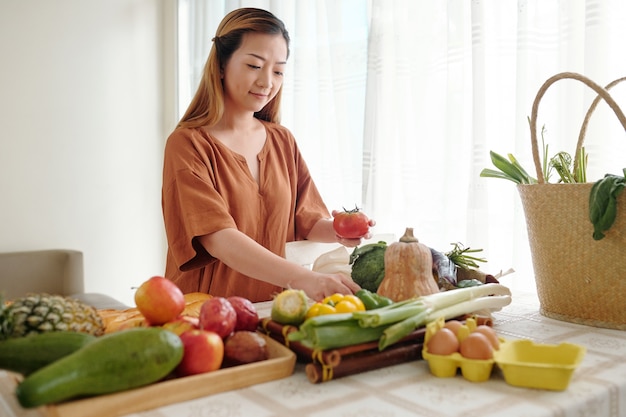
(340,334)
(398,331)
(389,314)
(435,301)
(391,324)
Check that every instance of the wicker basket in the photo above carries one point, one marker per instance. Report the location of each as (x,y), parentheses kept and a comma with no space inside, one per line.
(578,279)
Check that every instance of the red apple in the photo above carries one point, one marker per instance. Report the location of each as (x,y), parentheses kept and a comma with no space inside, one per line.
(203,352)
(247,316)
(218,315)
(182,324)
(159,300)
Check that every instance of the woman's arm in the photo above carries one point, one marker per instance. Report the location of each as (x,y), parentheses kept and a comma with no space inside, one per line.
(243,254)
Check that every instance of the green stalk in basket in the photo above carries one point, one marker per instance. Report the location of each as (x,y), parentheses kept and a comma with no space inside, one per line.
(510,169)
(580,170)
(507,167)
(527,179)
(492,173)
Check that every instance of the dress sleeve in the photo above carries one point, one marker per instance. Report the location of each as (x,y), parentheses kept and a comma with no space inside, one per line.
(191,205)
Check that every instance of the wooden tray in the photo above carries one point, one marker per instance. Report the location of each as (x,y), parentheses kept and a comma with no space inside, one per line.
(326,365)
(279,365)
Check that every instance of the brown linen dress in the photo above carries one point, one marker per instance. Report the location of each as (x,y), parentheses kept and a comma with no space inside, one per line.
(207,187)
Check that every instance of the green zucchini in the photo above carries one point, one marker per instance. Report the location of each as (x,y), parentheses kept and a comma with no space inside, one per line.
(114,362)
(27,354)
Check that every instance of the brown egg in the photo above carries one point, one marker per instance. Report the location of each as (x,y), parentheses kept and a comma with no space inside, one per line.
(453,325)
(443,342)
(476,346)
(491,335)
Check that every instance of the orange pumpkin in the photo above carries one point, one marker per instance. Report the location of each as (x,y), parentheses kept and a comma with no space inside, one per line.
(408,269)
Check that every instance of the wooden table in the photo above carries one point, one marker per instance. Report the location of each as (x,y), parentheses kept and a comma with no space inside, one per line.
(597,389)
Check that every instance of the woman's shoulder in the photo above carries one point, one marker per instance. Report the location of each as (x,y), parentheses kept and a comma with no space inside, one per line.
(182,133)
(185,136)
(281,136)
(277,129)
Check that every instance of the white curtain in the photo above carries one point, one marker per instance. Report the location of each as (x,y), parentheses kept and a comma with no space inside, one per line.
(397,103)
(324,91)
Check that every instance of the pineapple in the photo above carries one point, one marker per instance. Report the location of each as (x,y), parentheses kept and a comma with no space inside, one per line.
(41,312)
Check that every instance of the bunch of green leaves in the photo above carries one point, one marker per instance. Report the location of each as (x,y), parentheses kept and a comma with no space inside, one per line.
(461,257)
(562,164)
(510,169)
(604,193)
(603,203)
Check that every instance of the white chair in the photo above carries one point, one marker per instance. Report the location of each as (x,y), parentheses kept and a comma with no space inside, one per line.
(54,271)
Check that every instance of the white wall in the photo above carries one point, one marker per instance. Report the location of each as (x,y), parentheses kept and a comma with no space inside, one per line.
(86,89)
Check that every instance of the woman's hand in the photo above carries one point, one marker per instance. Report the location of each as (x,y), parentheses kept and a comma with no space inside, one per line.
(245,255)
(324,285)
(354,242)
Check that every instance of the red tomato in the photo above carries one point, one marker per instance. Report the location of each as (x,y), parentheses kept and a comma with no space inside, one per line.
(351,224)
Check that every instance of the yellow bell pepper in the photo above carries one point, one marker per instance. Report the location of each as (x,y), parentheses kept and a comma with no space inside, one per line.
(336,303)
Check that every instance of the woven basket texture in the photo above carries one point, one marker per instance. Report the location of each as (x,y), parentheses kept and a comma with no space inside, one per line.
(578,279)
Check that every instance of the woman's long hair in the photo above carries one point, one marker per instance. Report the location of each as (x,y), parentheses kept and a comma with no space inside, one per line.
(207,106)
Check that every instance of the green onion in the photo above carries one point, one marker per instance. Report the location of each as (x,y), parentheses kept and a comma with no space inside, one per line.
(390,324)
(337,335)
(326,319)
(398,331)
(389,314)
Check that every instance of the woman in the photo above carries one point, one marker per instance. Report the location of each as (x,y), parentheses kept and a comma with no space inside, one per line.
(235,186)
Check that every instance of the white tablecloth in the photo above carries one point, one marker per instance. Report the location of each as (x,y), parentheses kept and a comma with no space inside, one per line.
(597,389)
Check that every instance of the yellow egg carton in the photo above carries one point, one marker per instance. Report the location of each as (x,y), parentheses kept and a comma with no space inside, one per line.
(523,362)
(445,366)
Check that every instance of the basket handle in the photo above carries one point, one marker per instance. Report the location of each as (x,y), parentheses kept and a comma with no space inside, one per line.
(602,94)
(583,128)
